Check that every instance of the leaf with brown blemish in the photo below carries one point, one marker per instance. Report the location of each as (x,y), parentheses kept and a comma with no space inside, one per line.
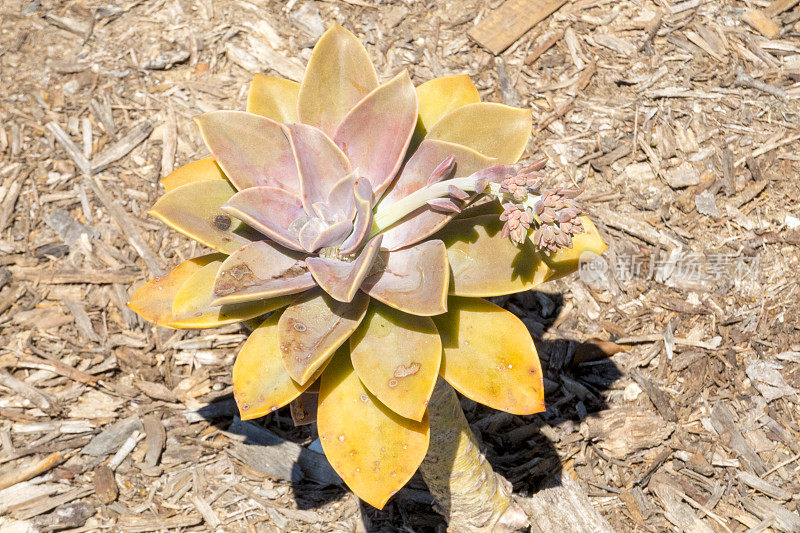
(397,357)
(195,210)
(153,301)
(489,356)
(341,279)
(260,381)
(414,279)
(274,98)
(494,130)
(259,271)
(338,75)
(192,304)
(311,329)
(425,221)
(252,150)
(205,169)
(373,449)
(375,133)
(483,263)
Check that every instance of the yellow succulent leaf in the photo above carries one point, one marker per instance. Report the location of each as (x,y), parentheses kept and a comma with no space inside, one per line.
(338,75)
(192,307)
(483,263)
(205,169)
(489,356)
(373,449)
(194,210)
(260,381)
(397,357)
(440,96)
(565,262)
(274,98)
(153,301)
(494,130)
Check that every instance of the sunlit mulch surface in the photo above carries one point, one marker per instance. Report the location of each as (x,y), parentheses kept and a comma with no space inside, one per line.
(673,367)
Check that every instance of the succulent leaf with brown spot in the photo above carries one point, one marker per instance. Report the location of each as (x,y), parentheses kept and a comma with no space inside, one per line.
(325,213)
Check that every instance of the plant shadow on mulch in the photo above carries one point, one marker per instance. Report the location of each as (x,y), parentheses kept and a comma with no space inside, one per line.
(516,446)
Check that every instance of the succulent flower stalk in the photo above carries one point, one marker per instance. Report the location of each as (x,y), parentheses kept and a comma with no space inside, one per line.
(363,257)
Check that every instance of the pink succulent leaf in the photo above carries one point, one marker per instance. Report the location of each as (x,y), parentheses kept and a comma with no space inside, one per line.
(426,161)
(457,193)
(316,233)
(443,171)
(341,279)
(444,205)
(341,198)
(320,162)
(375,134)
(362,193)
(326,212)
(252,150)
(269,210)
(414,280)
(260,270)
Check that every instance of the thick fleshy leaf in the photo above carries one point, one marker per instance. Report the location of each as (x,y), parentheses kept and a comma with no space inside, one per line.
(565,262)
(426,221)
(304,408)
(311,330)
(341,202)
(322,165)
(363,198)
(316,233)
(375,134)
(205,169)
(397,357)
(260,381)
(269,210)
(440,96)
(489,356)
(195,210)
(252,150)
(192,304)
(495,130)
(258,271)
(341,279)
(274,98)
(414,280)
(373,449)
(153,301)
(339,74)
(482,263)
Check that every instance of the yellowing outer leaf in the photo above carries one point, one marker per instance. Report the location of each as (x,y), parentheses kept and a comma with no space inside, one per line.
(153,301)
(373,449)
(260,382)
(192,304)
(274,98)
(194,210)
(311,330)
(494,130)
(482,263)
(397,357)
(489,356)
(440,96)
(205,169)
(339,74)
(565,262)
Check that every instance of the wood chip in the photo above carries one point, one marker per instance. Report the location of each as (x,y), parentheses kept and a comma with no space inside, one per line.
(758,20)
(30,470)
(503,26)
(105,485)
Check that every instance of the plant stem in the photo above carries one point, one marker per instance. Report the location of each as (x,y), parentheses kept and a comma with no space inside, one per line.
(467,491)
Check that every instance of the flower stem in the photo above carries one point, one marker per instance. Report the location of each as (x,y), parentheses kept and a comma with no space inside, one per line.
(467,491)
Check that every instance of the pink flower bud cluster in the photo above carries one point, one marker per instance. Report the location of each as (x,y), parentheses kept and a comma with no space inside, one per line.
(559,214)
(518,221)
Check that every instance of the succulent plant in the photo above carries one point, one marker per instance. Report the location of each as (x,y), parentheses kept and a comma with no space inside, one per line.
(367,222)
